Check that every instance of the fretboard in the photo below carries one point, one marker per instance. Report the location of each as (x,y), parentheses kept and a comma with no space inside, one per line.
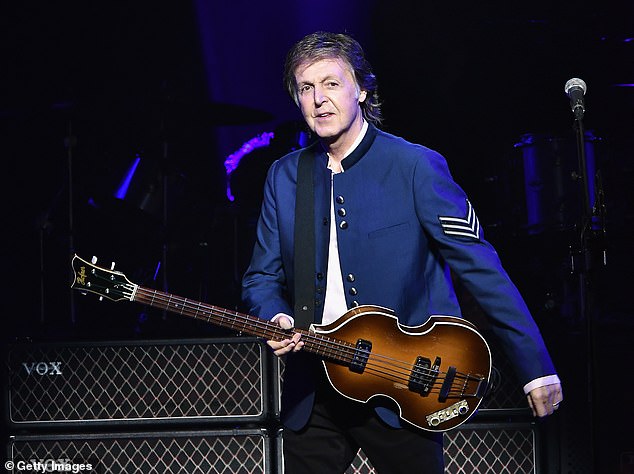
(323,346)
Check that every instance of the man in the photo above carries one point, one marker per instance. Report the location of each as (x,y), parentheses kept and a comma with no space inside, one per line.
(390,224)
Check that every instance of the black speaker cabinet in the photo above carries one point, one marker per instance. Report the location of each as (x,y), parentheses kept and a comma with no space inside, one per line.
(502,448)
(213,381)
(191,452)
(479,448)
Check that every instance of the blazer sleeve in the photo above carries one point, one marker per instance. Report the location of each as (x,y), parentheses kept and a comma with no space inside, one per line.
(264,285)
(450,220)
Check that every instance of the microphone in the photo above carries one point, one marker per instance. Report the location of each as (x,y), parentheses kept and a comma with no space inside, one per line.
(575,89)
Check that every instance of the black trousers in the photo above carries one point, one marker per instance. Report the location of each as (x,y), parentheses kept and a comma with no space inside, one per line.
(338,427)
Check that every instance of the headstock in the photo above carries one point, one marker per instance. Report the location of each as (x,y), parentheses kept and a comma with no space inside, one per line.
(109,284)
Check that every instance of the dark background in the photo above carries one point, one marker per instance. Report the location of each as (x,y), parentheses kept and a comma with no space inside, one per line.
(88,86)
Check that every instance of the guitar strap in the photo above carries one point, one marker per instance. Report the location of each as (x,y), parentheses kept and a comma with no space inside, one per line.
(304,234)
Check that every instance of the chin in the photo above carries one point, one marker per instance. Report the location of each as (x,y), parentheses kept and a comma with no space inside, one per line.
(326,132)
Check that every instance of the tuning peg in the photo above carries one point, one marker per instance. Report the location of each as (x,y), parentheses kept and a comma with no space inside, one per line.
(93,260)
(101,298)
(112,266)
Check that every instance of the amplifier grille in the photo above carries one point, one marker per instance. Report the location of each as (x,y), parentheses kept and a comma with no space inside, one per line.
(175,381)
(228,451)
(502,448)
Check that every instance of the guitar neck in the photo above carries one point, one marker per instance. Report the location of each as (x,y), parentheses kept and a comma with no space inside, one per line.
(251,325)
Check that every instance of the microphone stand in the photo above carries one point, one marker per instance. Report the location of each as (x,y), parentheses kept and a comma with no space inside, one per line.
(583,262)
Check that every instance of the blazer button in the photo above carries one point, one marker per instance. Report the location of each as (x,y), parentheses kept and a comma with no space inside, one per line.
(354,304)
(342,212)
(350,277)
(340,200)
(353,291)
(320,276)
(325,221)
(343,225)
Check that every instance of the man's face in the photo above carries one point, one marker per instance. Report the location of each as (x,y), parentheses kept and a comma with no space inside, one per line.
(329,99)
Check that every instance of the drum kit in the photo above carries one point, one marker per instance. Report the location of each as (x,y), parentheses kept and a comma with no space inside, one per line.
(546,186)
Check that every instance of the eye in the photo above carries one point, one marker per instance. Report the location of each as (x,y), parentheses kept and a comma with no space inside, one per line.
(332,84)
(304,88)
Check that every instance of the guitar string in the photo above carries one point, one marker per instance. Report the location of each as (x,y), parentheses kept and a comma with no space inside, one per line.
(179,304)
(324,344)
(208,310)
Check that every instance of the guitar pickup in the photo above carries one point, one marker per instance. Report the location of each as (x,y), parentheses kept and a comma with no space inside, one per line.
(360,356)
(423,375)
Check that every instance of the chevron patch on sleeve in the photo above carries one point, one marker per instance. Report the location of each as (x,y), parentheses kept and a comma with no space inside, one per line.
(468,226)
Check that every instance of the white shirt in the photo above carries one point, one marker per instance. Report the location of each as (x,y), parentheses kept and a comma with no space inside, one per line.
(335,303)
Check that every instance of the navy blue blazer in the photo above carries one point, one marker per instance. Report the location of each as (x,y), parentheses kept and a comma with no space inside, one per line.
(403,225)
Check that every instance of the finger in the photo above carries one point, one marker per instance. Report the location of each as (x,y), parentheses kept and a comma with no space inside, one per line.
(554,396)
(275,345)
(558,399)
(541,409)
(279,345)
(559,396)
(287,345)
(284,322)
(545,400)
(539,403)
(296,343)
(283,351)
(282,348)
(530,404)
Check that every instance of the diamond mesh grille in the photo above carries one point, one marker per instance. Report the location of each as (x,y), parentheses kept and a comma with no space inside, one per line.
(134,382)
(360,465)
(502,450)
(498,450)
(226,452)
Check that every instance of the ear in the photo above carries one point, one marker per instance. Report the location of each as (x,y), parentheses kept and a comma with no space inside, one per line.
(362,96)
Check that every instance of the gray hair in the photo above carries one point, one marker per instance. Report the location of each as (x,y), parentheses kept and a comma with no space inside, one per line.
(324,45)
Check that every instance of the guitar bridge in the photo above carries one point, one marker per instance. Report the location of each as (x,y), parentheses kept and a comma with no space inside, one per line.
(360,356)
(460,408)
(423,375)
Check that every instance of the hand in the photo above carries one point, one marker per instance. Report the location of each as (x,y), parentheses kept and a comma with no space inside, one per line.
(286,345)
(545,400)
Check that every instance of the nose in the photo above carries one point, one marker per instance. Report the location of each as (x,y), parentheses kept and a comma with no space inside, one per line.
(319,96)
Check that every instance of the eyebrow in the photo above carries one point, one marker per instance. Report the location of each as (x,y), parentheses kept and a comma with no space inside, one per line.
(321,81)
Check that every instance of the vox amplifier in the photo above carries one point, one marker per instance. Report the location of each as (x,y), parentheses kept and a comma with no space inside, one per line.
(181,382)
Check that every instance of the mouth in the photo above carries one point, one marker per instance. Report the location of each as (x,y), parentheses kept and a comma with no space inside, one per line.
(323,115)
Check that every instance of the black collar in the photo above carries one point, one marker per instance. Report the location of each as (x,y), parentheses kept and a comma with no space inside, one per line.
(358,153)
(353,157)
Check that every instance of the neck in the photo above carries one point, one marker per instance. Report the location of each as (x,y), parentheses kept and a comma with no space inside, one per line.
(339,147)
